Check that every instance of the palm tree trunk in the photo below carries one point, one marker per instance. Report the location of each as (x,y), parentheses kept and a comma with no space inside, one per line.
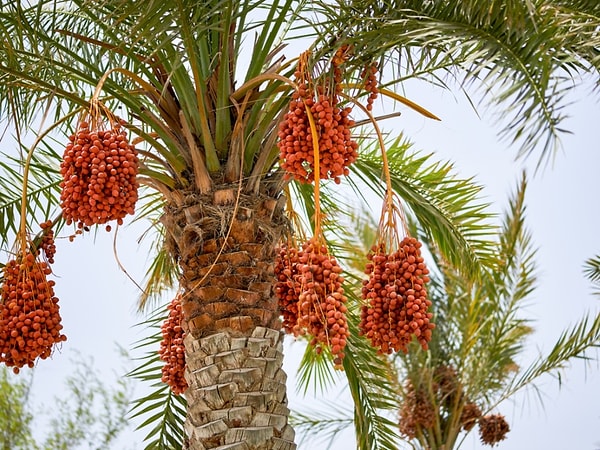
(225,245)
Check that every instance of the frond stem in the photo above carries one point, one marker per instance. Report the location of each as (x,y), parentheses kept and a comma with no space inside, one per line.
(256,81)
(399,98)
(149,88)
(388,220)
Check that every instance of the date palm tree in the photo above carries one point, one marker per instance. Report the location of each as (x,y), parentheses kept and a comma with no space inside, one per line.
(202,88)
(475,361)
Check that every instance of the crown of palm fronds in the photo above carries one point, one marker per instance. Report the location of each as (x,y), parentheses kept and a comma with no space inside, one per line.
(176,72)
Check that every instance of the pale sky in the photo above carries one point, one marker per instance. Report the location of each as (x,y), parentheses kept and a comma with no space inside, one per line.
(97,299)
(564,216)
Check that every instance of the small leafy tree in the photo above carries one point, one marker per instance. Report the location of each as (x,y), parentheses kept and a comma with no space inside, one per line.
(15,416)
(89,414)
(474,363)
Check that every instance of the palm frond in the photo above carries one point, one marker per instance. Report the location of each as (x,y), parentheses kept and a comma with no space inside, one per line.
(162,272)
(592,272)
(480,327)
(160,411)
(162,275)
(521,57)
(515,257)
(574,343)
(320,425)
(447,207)
(315,371)
(42,191)
(372,382)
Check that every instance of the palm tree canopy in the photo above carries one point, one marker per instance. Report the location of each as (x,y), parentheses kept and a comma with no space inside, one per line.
(175,71)
(203,86)
(522,55)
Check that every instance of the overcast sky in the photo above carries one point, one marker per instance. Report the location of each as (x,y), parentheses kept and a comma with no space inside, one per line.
(98,300)
(564,216)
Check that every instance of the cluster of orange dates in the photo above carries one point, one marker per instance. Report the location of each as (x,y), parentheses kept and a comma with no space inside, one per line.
(47,245)
(172,350)
(331,128)
(396,306)
(311,296)
(30,322)
(99,170)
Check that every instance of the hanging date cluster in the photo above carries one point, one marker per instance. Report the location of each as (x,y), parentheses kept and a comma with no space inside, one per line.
(396,303)
(332,125)
(30,322)
(311,297)
(172,350)
(99,170)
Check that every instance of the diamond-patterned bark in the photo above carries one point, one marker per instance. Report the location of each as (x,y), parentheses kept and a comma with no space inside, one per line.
(237,392)
(226,250)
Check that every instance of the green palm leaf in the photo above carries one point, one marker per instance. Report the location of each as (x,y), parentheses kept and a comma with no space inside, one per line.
(592,272)
(160,411)
(573,343)
(42,191)
(371,384)
(447,207)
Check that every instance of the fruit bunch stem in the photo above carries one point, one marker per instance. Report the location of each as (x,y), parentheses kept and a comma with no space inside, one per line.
(317,171)
(22,236)
(392,209)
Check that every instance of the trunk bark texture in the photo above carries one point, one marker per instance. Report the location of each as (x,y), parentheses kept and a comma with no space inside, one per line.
(225,246)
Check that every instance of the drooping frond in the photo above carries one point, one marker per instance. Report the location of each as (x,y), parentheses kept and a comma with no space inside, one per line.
(314,371)
(372,383)
(160,411)
(162,272)
(320,425)
(162,275)
(520,56)
(446,206)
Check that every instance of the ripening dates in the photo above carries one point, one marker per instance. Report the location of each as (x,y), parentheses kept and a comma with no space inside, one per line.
(99,171)
(311,296)
(30,322)
(396,303)
(286,289)
(47,245)
(337,150)
(172,350)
